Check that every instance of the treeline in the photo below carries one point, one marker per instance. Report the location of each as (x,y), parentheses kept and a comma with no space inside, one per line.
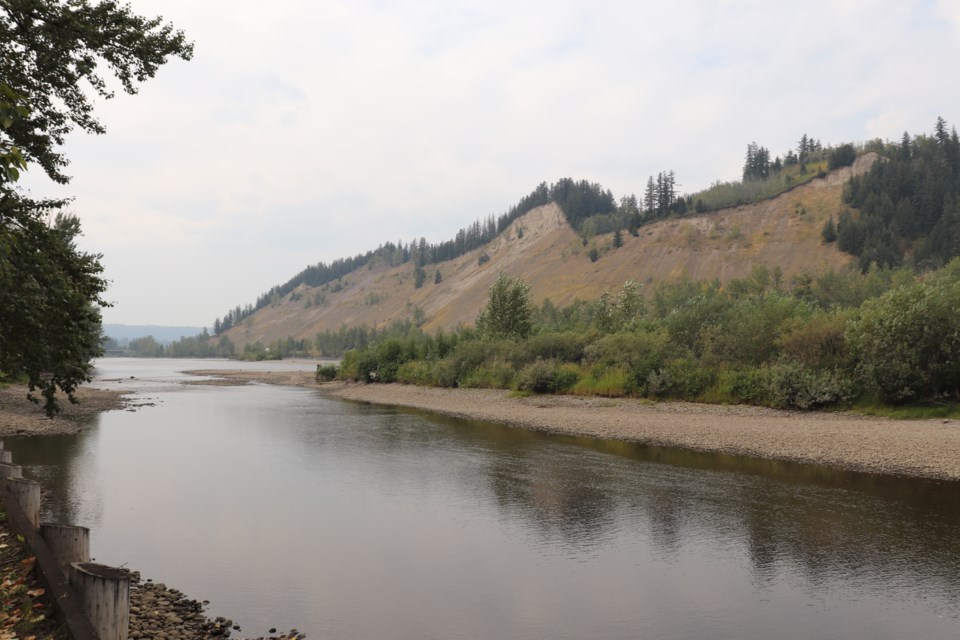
(578,200)
(588,208)
(830,340)
(198,346)
(764,178)
(908,206)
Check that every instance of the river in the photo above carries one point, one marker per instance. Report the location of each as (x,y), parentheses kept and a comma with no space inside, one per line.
(286,508)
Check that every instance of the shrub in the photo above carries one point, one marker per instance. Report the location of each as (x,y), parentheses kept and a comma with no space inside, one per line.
(681,378)
(497,374)
(348,366)
(819,340)
(611,383)
(907,340)
(546,376)
(416,372)
(326,372)
(794,386)
(639,353)
(746,386)
(748,330)
(444,373)
(387,358)
(567,346)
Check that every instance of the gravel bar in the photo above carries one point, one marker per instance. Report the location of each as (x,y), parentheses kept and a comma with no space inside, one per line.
(917,448)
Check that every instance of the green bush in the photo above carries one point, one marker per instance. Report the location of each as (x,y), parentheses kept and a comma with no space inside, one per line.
(907,339)
(417,372)
(638,353)
(745,386)
(546,376)
(601,381)
(326,372)
(684,378)
(568,346)
(819,341)
(747,331)
(495,374)
(445,373)
(349,369)
(794,386)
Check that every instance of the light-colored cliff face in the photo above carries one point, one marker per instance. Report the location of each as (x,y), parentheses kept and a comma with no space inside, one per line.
(542,249)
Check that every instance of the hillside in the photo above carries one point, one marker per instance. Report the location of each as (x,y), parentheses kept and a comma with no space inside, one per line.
(547,253)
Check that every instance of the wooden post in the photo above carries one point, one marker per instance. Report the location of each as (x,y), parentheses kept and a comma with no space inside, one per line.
(10,471)
(69,543)
(27,495)
(6,457)
(105,596)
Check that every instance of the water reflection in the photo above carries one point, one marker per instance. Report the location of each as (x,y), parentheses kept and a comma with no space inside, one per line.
(828,523)
(65,467)
(353,521)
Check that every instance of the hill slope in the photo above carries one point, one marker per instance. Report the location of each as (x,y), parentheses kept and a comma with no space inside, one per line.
(547,253)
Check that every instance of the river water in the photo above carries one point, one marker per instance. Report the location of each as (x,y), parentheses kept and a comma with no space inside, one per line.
(287,509)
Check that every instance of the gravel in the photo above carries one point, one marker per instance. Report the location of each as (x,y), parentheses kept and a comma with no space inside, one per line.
(918,448)
(158,612)
(19,416)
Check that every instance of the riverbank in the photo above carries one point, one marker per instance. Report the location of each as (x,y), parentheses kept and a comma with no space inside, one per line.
(20,417)
(918,448)
(156,611)
(915,448)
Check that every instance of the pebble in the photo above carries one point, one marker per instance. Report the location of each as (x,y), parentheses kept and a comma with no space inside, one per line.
(159,613)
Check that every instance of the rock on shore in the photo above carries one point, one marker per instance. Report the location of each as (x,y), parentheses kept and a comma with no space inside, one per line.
(158,612)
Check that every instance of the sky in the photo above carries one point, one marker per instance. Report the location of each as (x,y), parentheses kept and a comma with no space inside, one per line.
(306,131)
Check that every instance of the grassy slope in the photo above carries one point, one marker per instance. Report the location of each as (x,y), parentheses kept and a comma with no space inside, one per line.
(726,244)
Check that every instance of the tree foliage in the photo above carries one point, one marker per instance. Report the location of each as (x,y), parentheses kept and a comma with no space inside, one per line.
(909,204)
(824,341)
(908,339)
(757,164)
(50,301)
(508,312)
(52,54)
(50,292)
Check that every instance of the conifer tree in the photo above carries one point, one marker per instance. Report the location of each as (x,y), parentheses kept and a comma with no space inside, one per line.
(617,239)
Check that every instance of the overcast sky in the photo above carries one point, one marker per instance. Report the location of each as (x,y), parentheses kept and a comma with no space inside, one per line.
(311,130)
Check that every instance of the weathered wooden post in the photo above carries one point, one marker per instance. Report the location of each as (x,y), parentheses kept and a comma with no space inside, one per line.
(6,457)
(69,543)
(26,493)
(105,595)
(10,470)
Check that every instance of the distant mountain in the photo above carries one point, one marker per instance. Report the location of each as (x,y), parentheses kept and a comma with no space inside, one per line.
(163,335)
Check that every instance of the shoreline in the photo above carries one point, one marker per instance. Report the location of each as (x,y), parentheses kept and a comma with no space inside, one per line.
(914,448)
(20,417)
